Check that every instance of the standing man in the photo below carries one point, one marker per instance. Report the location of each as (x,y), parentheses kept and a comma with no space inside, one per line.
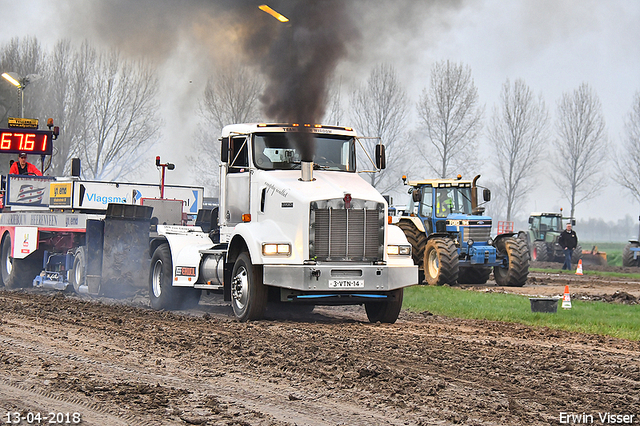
(22,167)
(568,240)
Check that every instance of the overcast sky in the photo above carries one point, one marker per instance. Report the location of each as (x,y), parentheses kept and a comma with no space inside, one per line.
(554,45)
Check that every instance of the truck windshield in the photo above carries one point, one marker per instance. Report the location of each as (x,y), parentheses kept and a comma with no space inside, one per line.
(276,151)
(453,200)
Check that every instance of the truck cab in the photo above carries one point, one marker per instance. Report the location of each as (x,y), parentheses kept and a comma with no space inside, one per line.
(297,225)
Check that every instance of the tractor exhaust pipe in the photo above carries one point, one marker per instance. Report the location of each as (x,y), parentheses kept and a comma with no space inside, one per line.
(307,171)
(474,193)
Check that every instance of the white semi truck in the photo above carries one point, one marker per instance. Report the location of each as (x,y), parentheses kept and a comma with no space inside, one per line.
(296,225)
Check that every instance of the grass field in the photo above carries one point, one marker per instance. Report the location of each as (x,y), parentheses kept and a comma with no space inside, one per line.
(587,317)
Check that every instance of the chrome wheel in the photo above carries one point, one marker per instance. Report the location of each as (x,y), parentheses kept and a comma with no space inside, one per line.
(240,288)
(156,278)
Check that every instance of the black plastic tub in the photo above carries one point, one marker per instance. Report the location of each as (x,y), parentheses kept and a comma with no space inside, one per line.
(544,304)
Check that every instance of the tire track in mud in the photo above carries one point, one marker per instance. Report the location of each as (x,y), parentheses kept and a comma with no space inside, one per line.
(422,370)
(229,388)
(18,398)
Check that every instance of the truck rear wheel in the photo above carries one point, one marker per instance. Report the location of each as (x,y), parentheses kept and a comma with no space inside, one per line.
(6,262)
(474,275)
(248,293)
(418,240)
(440,262)
(387,311)
(627,256)
(77,274)
(539,252)
(515,268)
(162,294)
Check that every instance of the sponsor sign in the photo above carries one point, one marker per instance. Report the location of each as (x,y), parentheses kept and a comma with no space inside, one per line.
(60,194)
(96,195)
(26,241)
(28,190)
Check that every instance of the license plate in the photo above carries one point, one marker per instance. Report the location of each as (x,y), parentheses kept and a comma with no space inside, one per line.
(346,283)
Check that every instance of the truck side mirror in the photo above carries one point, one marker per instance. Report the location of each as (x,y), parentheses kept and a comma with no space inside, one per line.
(224,150)
(486,194)
(416,195)
(381,160)
(530,219)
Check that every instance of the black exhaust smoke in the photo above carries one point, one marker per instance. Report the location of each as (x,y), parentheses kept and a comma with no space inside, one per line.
(299,62)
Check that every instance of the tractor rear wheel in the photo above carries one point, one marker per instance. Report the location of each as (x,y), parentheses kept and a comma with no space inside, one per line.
(540,252)
(515,268)
(577,254)
(627,256)
(474,275)
(440,261)
(418,241)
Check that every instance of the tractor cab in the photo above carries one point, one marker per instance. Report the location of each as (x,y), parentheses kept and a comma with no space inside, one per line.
(545,224)
(435,201)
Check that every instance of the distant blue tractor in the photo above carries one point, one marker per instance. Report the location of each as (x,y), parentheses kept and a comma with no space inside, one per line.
(631,252)
(451,237)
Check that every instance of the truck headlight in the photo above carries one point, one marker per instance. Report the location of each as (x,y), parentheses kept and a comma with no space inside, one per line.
(269,249)
(399,250)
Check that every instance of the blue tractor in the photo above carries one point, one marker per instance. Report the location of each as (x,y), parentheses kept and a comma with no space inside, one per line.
(451,236)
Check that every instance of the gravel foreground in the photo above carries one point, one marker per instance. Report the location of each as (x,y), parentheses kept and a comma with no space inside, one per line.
(120,363)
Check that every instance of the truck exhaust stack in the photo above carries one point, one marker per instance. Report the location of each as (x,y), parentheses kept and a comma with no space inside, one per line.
(307,171)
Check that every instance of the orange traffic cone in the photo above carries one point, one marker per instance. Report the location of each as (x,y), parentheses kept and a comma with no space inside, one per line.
(566,299)
(579,268)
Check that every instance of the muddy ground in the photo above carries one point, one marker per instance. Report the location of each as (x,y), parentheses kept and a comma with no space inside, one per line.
(116,362)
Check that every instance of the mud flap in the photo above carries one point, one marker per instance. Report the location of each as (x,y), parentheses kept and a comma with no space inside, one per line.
(118,265)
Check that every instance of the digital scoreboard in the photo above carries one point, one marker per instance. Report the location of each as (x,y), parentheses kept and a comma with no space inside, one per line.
(37,142)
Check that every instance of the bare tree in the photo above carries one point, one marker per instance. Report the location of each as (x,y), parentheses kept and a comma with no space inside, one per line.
(581,145)
(68,89)
(122,116)
(231,96)
(518,133)
(379,110)
(335,112)
(628,160)
(451,118)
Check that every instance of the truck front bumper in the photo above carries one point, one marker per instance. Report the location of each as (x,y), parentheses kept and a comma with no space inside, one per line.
(341,278)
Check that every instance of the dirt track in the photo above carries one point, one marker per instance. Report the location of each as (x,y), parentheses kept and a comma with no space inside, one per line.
(120,364)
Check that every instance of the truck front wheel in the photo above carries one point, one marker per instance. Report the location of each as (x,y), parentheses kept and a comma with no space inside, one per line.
(248,293)
(387,311)
(440,262)
(515,268)
(162,294)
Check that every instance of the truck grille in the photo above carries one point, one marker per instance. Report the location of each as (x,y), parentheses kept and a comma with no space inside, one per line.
(339,234)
